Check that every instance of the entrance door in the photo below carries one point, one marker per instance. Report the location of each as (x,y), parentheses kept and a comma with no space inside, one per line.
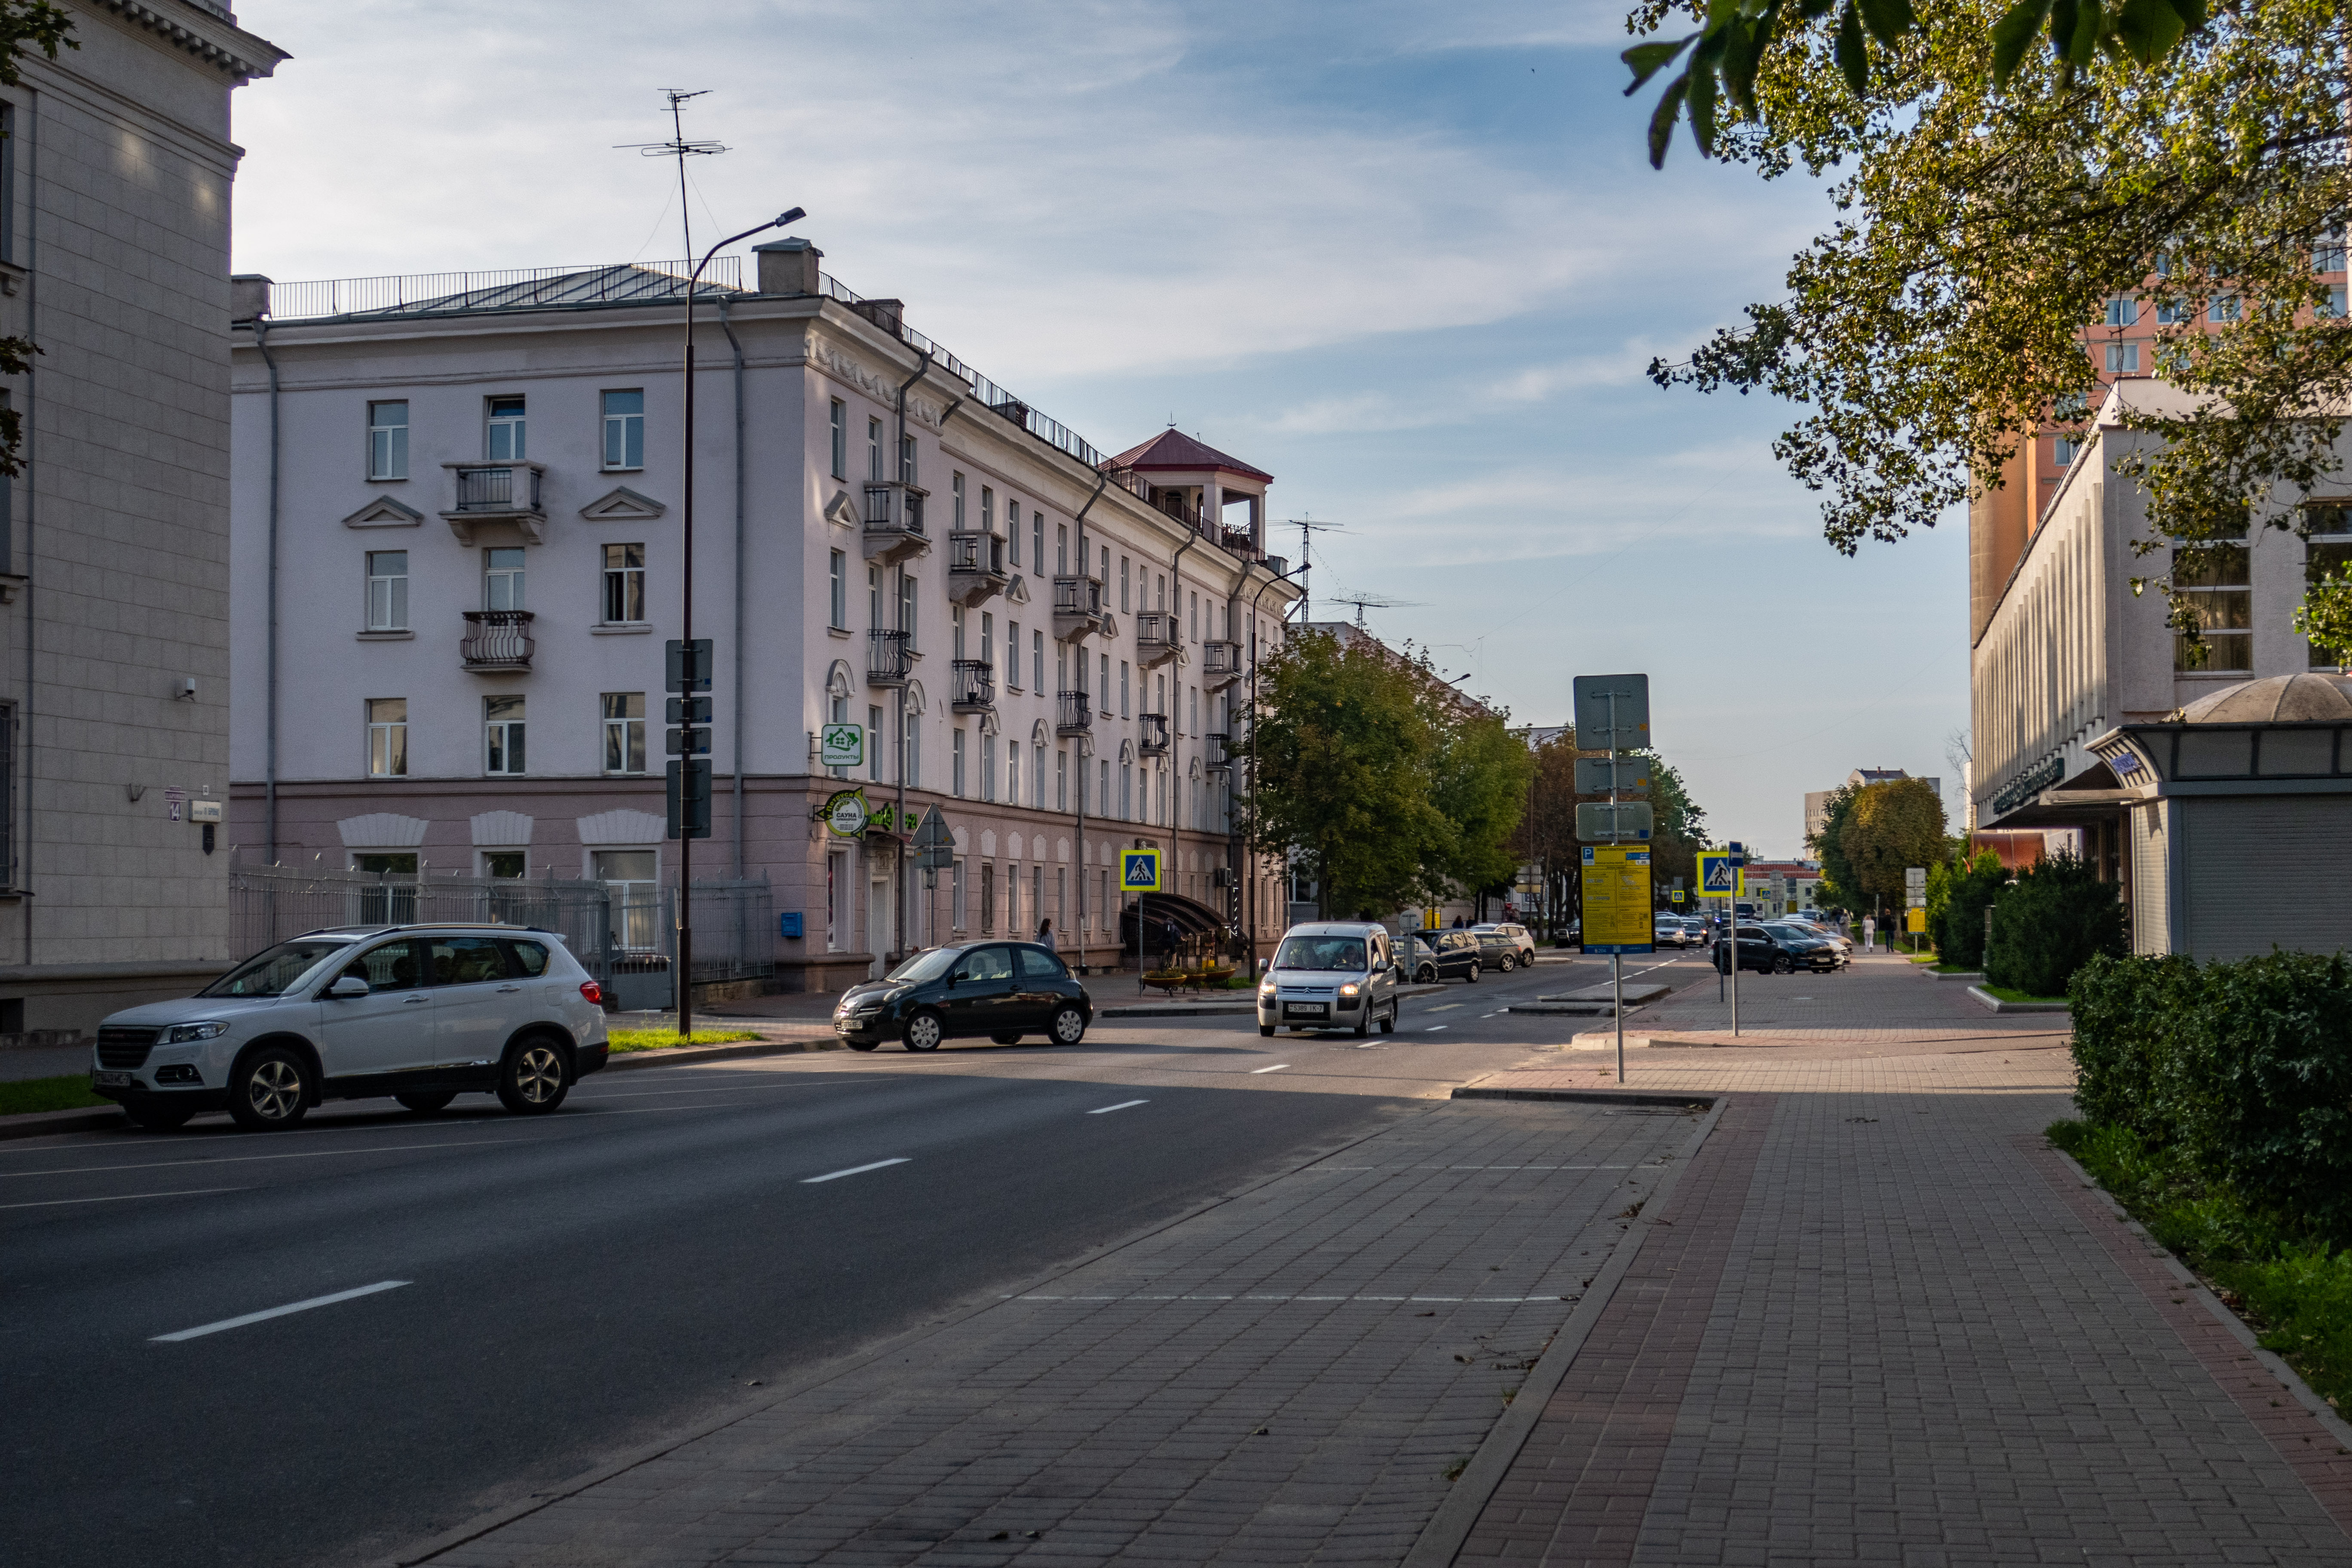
(881,928)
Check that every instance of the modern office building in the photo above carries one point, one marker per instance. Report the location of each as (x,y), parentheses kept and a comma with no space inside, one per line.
(459,552)
(115,175)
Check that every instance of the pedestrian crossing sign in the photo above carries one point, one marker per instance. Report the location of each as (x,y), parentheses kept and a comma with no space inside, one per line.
(1717,877)
(1139,871)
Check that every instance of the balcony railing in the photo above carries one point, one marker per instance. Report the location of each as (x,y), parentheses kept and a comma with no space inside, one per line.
(974,686)
(975,566)
(887,657)
(894,520)
(1221,663)
(1216,755)
(1152,734)
(1073,713)
(1158,637)
(497,639)
(498,487)
(1077,606)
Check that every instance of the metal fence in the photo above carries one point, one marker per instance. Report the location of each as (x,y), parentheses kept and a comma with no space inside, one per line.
(519,287)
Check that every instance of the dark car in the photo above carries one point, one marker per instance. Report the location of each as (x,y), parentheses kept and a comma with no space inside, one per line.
(1505,945)
(1004,990)
(1436,955)
(1780,950)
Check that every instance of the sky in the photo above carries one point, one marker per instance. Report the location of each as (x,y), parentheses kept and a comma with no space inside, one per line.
(1408,258)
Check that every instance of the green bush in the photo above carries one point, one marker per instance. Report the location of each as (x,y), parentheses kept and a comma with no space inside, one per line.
(2055,919)
(1956,922)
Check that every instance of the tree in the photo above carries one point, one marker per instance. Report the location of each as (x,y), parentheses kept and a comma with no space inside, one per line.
(24,25)
(2051,923)
(1890,827)
(1840,889)
(1988,221)
(1958,893)
(1546,837)
(1479,781)
(1680,830)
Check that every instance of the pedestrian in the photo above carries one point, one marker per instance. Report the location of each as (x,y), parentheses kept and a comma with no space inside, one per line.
(1869,932)
(1045,934)
(1170,935)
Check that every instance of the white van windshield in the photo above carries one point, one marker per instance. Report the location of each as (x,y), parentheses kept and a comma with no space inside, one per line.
(1345,952)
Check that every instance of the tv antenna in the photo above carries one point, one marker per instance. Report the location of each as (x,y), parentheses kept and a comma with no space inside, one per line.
(1308,529)
(1375,601)
(678,147)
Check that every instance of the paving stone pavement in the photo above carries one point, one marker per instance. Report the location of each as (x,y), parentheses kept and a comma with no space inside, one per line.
(1284,1379)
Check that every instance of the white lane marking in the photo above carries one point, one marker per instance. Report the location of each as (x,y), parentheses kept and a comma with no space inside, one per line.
(1449,1007)
(202,1329)
(855,1171)
(120,1197)
(1122,1105)
(245,1159)
(1433,1029)
(1275,1068)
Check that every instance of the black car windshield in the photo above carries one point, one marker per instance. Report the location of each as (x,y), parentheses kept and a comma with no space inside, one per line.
(925,965)
(1321,953)
(278,970)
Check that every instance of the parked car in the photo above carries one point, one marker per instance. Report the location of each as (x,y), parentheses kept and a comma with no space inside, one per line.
(1336,975)
(421,1013)
(1436,955)
(1814,928)
(1004,990)
(1505,943)
(1775,949)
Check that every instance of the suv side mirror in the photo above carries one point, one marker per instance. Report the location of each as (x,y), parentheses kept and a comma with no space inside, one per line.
(348,985)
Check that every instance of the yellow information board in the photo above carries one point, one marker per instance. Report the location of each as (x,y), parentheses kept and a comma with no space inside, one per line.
(1915,920)
(1618,904)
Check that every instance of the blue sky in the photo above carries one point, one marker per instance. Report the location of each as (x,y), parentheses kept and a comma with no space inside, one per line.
(1408,258)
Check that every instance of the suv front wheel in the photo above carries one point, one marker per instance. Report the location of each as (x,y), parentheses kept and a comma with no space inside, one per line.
(271,1088)
(535,1078)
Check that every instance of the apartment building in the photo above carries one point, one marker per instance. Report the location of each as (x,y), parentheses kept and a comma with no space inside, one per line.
(458,555)
(115,174)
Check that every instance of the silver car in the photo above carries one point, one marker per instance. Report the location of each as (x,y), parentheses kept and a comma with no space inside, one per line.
(1332,974)
(420,1014)
(1507,945)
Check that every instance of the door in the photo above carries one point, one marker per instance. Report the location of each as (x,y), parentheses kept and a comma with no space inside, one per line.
(979,997)
(477,1004)
(389,1026)
(1039,992)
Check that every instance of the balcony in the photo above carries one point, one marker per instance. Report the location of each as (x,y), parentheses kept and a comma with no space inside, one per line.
(887,657)
(1078,608)
(894,521)
(975,567)
(1216,756)
(496,639)
(1221,664)
(1073,713)
(1152,734)
(496,492)
(1157,637)
(974,686)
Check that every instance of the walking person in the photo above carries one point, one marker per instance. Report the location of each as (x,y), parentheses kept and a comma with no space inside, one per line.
(1869,932)
(1170,937)
(1045,934)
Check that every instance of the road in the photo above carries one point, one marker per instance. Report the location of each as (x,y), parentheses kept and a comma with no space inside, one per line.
(552,1293)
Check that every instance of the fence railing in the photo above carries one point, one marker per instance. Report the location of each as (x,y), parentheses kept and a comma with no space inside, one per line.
(268,904)
(1073,713)
(499,488)
(734,930)
(1152,734)
(972,685)
(497,639)
(886,656)
(514,289)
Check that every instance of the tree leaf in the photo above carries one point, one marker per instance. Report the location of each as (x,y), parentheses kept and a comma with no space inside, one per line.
(2148,28)
(1662,119)
(1887,19)
(2014,34)
(2089,26)
(1853,54)
(1647,60)
(1743,51)
(1701,98)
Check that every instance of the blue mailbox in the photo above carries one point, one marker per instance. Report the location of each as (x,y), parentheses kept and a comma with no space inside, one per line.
(788,923)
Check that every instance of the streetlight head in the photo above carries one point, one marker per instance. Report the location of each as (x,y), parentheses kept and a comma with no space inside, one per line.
(792,217)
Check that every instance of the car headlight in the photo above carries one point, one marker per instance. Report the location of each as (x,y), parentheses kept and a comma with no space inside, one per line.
(1348,989)
(1265,986)
(180,1034)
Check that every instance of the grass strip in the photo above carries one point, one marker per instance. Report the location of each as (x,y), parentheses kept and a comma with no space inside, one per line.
(69,1091)
(662,1039)
(2008,994)
(2293,1285)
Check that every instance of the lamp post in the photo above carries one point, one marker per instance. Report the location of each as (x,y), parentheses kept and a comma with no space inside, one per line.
(1249,842)
(683,979)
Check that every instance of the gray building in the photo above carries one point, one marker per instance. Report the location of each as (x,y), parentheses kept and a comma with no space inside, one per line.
(114,257)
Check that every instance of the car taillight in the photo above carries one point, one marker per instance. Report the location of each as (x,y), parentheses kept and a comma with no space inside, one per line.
(593,991)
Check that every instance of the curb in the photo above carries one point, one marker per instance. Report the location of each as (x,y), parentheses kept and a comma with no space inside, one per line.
(1594,1095)
(42,1123)
(691,1054)
(1998,1005)
(1970,977)
(1574,1009)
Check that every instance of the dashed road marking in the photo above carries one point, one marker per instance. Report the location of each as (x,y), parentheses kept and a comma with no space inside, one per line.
(855,1171)
(1122,1105)
(204,1329)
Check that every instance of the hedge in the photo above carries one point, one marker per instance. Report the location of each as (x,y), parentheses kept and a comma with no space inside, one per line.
(2056,918)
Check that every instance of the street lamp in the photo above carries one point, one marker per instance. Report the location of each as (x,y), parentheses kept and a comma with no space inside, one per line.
(683,979)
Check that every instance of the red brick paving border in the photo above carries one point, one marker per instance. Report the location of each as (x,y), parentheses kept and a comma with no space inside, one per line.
(2308,1448)
(1580,1486)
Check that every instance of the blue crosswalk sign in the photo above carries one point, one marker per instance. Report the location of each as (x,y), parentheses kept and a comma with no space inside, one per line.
(1720,876)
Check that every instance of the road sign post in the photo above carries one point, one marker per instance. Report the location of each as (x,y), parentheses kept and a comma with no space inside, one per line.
(1612,713)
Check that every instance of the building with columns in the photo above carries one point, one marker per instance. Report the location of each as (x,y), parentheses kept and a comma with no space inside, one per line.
(458,554)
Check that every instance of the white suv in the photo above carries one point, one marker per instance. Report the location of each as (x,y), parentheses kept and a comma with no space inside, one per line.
(421,1013)
(1338,975)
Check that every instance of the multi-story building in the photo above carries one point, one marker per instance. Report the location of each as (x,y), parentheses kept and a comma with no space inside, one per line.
(115,173)
(467,491)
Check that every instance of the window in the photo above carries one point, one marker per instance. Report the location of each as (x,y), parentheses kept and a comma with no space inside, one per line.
(987,638)
(874,595)
(987,509)
(388,441)
(987,896)
(387,590)
(506,866)
(905,459)
(987,768)
(840,715)
(1123,711)
(958,914)
(1062,779)
(1037,776)
(1013,656)
(2328,557)
(2122,311)
(505,444)
(839,603)
(840,439)
(502,750)
(955,765)
(632,876)
(906,605)
(387,721)
(1012,532)
(1159,591)
(1062,548)
(1126,791)
(1038,660)
(2123,359)
(874,449)
(1103,685)
(2173,312)
(2327,256)
(1013,772)
(624,732)
(1193,620)
(837,900)
(956,485)
(502,579)
(1036,540)
(910,750)
(2066,449)
(1123,606)
(874,742)
(625,429)
(2221,597)
(955,631)
(2332,308)
(625,583)
(2224,308)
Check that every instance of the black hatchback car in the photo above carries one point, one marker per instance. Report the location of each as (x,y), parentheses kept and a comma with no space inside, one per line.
(1780,950)
(1438,955)
(1004,990)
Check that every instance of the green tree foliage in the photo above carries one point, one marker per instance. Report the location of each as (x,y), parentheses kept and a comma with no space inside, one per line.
(1932,327)
(2057,918)
(1547,834)
(1680,832)
(1889,829)
(1392,796)
(25,25)
(1958,893)
(1839,888)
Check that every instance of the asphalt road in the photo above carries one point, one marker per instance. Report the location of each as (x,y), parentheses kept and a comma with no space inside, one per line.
(556,1291)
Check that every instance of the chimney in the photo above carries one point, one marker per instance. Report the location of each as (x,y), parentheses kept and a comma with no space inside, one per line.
(788,267)
(248,297)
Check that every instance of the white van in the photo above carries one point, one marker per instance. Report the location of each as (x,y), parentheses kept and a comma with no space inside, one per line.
(1331,974)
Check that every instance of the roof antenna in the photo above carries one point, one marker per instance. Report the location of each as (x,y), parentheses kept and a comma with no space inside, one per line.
(678,147)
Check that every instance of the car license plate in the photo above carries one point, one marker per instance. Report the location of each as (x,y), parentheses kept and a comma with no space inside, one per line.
(1305,1010)
(110,1080)
(845,1027)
